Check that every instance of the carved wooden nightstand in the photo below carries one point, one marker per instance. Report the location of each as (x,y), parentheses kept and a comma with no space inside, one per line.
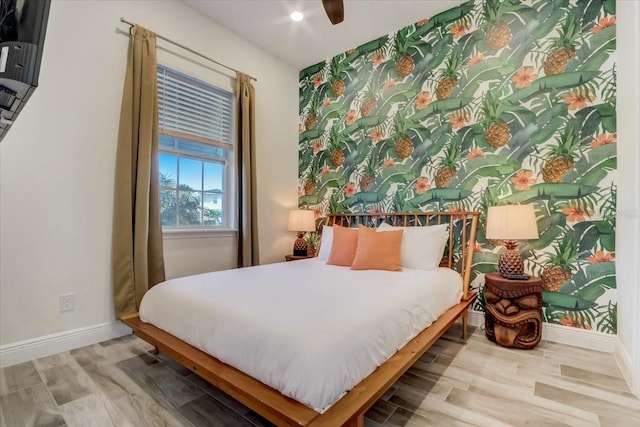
(513,311)
(295,257)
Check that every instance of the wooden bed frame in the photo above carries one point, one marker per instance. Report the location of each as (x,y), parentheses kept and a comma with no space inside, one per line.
(349,410)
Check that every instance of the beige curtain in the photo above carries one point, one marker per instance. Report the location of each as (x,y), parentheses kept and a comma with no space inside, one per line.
(247,206)
(137,231)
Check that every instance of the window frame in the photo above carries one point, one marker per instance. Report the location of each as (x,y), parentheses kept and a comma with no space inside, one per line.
(229,187)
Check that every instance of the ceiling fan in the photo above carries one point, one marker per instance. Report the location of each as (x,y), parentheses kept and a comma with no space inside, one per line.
(335,10)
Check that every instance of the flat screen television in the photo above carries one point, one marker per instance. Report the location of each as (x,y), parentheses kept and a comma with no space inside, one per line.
(23,24)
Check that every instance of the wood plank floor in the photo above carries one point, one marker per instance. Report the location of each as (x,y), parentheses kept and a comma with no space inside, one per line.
(120,383)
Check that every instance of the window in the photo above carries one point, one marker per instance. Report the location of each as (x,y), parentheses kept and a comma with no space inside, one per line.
(196,152)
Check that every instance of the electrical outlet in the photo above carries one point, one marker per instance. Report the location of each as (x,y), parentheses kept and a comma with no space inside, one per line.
(66,302)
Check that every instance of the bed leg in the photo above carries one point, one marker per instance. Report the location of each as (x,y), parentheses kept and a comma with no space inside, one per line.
(465,320)
(355,421)
(155,350)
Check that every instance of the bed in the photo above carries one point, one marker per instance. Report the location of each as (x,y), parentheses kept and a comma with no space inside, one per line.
(305,343)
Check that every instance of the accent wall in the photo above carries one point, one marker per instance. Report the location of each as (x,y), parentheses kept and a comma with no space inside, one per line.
(489,103)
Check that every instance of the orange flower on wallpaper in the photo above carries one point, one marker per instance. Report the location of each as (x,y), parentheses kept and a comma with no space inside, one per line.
(350,189)
(603,139)
(317,80)
(600,256)
(576,213)
(317,146)
(300,128)
(605,22)
(475,152)
(325,170)
(326,103)
(524,77)
(422,100)
(454,209)
(459,30)
(422,22)
(523,180)
(377,59)
(351,117)
(477,247)
(459,120)
(376,135)
(421,185)
(350,51)
(476,59)
(389,84)
(577,100)
(568,321)
(388,162)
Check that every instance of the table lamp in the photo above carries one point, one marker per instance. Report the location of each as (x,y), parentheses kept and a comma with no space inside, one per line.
(510,223)
(301,221)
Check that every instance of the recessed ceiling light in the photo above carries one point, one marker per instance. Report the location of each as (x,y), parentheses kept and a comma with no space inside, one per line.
(296,16)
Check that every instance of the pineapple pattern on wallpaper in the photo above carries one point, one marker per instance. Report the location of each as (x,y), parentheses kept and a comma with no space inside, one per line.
(491,102)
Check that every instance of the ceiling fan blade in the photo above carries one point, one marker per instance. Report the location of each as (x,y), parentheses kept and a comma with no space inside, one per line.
(335,10)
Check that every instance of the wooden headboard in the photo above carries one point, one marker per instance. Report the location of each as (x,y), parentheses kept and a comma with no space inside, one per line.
(462,233)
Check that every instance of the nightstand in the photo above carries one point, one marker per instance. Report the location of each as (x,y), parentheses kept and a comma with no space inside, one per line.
(513,311)
(295,257)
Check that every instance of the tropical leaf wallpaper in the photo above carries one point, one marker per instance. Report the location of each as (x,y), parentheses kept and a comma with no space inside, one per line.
(488,103)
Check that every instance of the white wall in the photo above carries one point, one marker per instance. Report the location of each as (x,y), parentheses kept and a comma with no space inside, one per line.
(194,255)
(57,164)
(628,220)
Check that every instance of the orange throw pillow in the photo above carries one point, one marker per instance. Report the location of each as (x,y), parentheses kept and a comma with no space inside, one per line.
(344,245)
(377,251)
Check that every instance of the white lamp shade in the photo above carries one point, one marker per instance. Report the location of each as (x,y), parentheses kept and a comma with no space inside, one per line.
(512,222)
(302,220)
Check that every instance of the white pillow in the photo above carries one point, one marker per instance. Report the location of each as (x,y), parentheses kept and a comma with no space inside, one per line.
(422,247)
(326,242)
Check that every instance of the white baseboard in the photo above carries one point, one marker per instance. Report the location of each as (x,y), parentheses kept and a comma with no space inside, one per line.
(565,335)
(626,366)
(579,337)
(476,318)
(624,361)
(47,345)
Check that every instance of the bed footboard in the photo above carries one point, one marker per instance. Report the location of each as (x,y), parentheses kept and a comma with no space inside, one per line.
(282,410)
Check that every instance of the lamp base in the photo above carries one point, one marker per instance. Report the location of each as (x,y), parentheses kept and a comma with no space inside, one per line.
(300,246)
(510,262)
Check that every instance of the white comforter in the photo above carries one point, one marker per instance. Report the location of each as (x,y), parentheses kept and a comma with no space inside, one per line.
(310,330)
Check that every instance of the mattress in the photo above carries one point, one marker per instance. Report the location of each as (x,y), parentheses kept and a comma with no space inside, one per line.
(311,331)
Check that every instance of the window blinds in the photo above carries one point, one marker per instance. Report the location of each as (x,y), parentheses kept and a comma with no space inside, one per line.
(191,106)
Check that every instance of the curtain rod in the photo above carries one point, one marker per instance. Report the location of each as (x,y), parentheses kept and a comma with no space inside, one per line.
(188,49)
